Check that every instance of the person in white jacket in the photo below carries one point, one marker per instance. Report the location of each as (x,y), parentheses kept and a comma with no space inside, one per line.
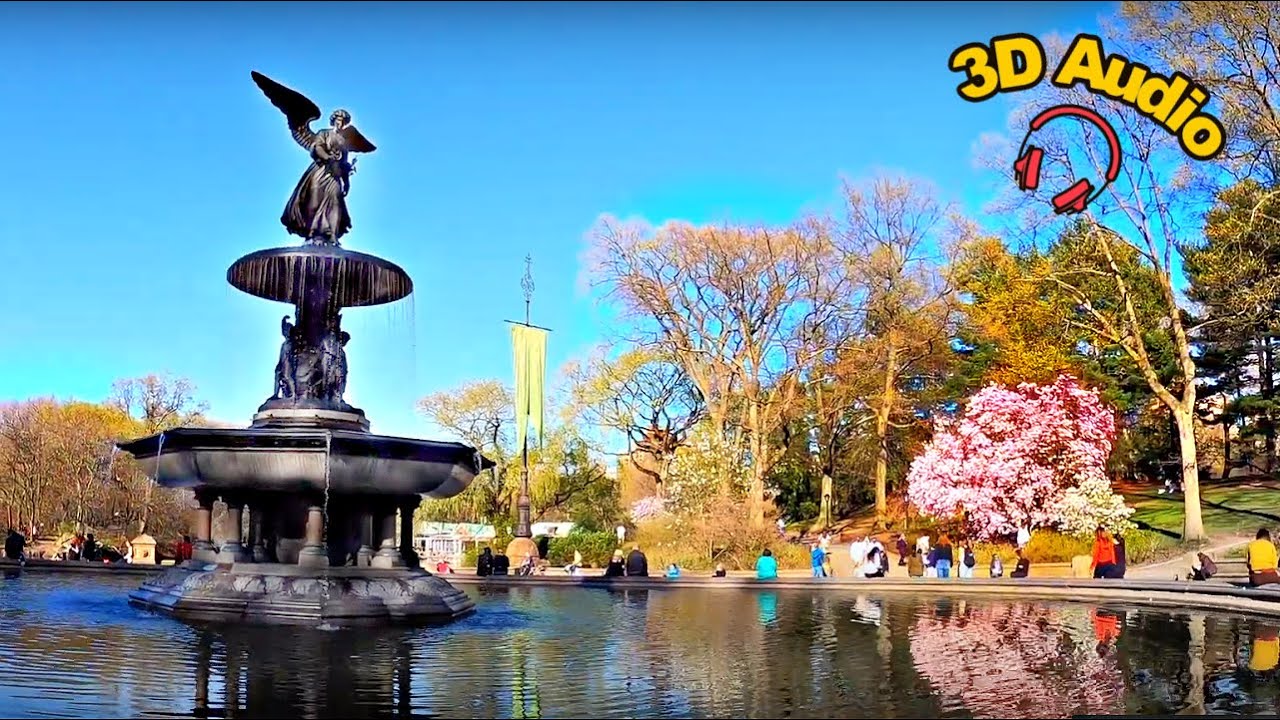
(858,550)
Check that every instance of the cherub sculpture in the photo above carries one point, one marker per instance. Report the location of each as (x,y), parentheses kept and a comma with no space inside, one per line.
(317,210)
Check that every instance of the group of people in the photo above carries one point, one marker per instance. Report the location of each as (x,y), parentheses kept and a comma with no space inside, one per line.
(871,559)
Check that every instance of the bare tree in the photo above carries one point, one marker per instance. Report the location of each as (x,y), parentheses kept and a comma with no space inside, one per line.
(646,398)
(896,240)
(731,305)
(160,402)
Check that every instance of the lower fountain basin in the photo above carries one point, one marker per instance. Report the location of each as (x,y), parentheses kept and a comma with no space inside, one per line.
(293,595)
(302,459)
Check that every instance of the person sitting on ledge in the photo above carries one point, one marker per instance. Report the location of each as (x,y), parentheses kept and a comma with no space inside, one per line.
(766,566)
(915,564)
(873,568)
(484,563)
(720,571)
(1023,568)
(1262,560)
(615,568)
(673,571)
(1104,554)
(637,563)
(1117,572)
(501,563)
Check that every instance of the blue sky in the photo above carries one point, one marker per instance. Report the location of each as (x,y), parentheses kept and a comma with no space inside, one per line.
(142,162)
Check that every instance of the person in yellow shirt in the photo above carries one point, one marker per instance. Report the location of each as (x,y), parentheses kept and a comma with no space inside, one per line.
(1262,560)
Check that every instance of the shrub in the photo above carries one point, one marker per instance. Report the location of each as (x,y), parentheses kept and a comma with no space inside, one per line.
(596,548)
(1052,547)
(720,536)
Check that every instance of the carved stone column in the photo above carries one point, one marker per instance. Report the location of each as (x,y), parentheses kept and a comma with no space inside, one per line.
(257,530)
(364,522)
(408,552)
(314,553)
(385,524)
(233,550)
(202,547)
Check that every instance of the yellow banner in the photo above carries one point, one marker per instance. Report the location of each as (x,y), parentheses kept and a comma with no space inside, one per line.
(530,345)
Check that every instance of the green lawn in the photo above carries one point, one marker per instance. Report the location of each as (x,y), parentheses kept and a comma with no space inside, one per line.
(1228,509)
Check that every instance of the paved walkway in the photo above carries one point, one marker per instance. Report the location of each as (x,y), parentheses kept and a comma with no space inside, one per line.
(1179,566)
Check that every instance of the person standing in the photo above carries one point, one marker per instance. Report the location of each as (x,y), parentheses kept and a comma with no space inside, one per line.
(944,558)
(818,559)
(902,549)
(968,561)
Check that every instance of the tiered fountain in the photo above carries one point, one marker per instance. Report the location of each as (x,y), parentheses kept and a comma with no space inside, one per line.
(322,493)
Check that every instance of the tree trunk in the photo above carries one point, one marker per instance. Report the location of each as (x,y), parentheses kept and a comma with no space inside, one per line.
(1267,386)
(1192,522)
(883,415)
(1195,665)
(759,464)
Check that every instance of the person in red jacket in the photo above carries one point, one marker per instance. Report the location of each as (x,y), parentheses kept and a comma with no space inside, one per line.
(1104,554)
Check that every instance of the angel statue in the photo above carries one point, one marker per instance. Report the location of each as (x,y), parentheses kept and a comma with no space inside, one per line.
(317,210)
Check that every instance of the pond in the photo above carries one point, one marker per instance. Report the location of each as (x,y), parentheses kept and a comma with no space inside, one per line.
(72,647)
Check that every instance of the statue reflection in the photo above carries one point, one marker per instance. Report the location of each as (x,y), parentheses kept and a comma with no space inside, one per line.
(305,673)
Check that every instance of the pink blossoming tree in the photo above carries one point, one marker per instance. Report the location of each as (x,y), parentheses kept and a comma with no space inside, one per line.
(1013,455)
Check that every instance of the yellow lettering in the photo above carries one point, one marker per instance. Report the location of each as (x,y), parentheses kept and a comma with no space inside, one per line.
(1159,96)
(1202,137)
(1123,81)
(1194,100)
(1013,50)
(1082,63)
(983,81)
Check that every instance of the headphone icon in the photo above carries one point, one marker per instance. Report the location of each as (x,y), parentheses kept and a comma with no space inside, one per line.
(1026,170)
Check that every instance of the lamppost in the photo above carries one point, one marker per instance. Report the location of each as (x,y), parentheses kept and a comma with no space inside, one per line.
(530,358)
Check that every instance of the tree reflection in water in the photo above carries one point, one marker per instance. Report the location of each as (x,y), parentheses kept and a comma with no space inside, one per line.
(73,648)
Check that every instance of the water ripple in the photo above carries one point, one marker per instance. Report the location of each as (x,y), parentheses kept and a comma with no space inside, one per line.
(72,647)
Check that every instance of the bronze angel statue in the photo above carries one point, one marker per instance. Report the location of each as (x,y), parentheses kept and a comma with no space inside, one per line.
(317,210)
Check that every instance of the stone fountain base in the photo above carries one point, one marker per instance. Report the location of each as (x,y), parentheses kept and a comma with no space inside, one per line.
(290,594)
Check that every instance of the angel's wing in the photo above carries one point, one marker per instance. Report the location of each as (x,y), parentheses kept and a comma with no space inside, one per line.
(355,141)
(298,110)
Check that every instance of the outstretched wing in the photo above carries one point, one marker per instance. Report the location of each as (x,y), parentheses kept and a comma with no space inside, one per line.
(298,110)
(355,141)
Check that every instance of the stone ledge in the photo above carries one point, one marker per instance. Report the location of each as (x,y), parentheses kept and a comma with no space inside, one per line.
(77,566)
(1200,595)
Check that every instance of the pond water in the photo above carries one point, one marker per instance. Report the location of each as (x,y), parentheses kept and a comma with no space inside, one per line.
(72,647)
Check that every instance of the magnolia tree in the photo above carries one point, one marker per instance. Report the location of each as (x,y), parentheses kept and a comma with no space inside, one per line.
(705,468)
(1021,457)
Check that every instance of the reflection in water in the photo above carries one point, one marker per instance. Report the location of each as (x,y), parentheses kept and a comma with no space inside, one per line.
(767,601)
(72,647)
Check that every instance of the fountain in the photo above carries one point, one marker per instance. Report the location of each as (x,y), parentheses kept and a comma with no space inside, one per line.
(321,491)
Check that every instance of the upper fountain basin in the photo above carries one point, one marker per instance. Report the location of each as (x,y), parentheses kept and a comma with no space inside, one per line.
(301,459)
(287,274)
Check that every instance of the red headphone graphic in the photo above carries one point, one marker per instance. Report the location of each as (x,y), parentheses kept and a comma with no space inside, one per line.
(1026,170)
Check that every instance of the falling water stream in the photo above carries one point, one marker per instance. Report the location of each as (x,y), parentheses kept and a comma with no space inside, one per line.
(328,453)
